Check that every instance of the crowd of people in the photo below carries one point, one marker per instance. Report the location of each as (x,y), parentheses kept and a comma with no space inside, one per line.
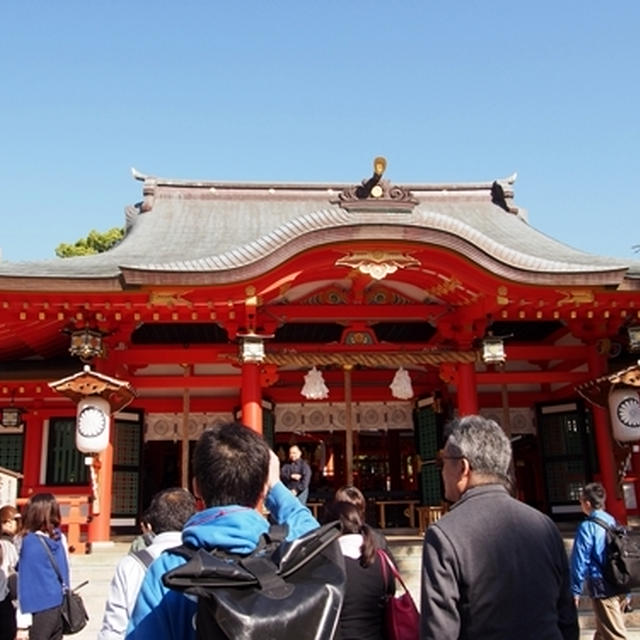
(492,566)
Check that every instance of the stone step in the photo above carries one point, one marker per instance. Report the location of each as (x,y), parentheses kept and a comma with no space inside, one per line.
(99,565)
(407,551)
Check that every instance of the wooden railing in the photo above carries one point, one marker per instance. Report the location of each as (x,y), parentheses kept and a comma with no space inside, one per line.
(409,511)
(427,516)
(315,507)
(75,511)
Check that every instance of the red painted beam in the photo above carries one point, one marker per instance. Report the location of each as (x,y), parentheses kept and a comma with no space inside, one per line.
(545,353)
(143,355)
(179,382)
(356,312)
(532,377)
(196,404)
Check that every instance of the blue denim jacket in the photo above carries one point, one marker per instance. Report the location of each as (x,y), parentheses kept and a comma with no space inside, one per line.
(587,557)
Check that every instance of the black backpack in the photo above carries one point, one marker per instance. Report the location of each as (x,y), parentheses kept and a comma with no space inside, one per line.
(284,590)
(621,568)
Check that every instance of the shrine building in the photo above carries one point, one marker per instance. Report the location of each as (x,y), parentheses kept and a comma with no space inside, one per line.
(353,319)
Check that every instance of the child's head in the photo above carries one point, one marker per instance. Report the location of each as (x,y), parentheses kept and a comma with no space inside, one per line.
(9,519)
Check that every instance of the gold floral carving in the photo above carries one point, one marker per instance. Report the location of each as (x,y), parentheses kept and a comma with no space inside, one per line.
(576,296)
(377,264)
(167,299)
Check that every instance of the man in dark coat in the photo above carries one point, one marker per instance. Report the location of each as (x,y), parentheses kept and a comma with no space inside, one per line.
(493,567)
(296,474)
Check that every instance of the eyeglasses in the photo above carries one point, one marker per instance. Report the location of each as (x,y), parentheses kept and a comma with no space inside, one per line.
(440,460)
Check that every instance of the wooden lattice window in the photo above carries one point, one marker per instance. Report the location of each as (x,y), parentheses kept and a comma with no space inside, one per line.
(11,447)
(127,452)
(428,436)
(65,464)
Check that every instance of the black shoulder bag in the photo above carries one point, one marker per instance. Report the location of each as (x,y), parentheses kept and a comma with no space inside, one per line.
(290,590)
(74,614)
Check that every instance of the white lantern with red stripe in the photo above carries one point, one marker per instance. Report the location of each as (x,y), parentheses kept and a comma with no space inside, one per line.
(92,424)
(624,409)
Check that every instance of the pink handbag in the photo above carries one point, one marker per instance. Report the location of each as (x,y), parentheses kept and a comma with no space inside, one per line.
(402,619)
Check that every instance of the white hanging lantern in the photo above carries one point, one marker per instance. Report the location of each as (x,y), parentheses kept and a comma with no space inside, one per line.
(624,410)
(92,424)
(314,387)
(401,387)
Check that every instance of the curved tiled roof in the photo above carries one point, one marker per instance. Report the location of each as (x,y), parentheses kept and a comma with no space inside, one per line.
(233,231)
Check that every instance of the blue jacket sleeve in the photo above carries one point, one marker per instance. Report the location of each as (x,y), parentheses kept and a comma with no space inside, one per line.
(161,613)
(285,508)
(581,557)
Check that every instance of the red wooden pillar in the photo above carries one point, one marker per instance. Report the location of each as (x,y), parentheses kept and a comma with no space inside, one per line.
(467,389)
(635,466)
(33,438)
(250,398)
(604,445)
(100,525)
(99,529)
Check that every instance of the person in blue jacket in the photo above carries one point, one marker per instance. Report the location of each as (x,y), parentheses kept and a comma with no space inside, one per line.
(234,471)
(587,558)
(39,588)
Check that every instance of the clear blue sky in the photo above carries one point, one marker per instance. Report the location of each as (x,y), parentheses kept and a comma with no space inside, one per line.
(312,91)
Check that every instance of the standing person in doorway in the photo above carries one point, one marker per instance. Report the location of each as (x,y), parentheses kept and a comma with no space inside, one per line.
(296,474)
(493,567)
(587,560)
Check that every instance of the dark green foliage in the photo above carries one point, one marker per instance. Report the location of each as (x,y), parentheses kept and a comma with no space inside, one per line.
(95,242)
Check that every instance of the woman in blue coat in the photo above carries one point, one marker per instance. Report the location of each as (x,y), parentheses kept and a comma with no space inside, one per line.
(39,588)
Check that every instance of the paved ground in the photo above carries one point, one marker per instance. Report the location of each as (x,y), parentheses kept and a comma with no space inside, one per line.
(98,566)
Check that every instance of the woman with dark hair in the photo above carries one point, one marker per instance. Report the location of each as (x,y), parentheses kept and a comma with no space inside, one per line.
(39,588)
(349,493)
(362,613)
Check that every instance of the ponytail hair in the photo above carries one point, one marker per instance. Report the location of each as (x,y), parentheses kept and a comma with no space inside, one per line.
(352,522)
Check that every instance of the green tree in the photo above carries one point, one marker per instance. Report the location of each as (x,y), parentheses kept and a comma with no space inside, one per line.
(95,242)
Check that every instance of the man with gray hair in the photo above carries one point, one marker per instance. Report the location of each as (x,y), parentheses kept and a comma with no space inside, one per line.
(493,567)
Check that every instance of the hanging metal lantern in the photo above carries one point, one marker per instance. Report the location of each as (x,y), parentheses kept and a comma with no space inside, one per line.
(87,344)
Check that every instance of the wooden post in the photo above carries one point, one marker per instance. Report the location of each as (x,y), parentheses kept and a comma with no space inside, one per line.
(506,420)
(604,444)
(186,399)
(348,444)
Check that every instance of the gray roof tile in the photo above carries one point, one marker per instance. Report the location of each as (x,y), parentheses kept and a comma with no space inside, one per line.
(198,227)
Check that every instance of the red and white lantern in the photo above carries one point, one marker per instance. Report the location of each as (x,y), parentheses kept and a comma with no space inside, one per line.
(624,409)
(92,424)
